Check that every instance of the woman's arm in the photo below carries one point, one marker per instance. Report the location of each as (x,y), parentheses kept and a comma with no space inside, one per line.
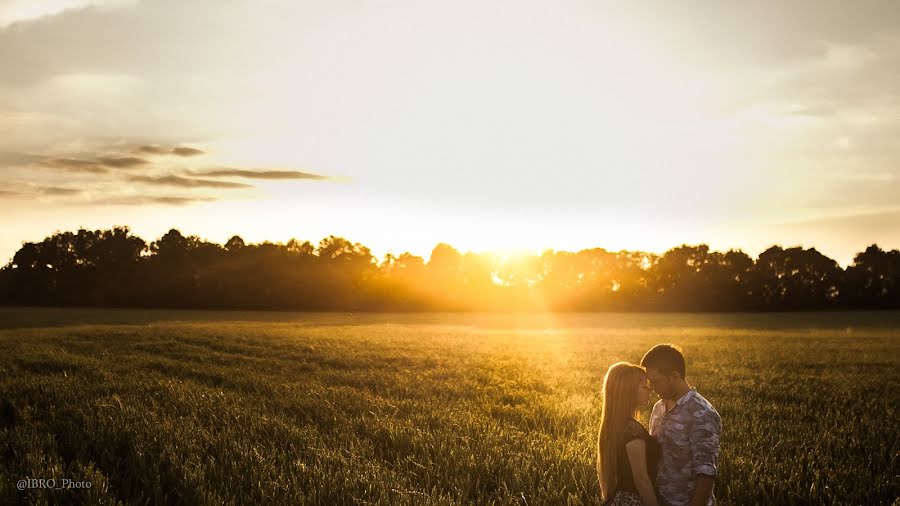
(637,457)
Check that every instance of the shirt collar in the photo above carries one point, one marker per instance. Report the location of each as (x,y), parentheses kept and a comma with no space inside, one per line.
(684,398)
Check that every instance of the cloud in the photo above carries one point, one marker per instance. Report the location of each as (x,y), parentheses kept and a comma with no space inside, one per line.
(13,159)
(156,149)
(28,190)
(749,32)
(94,166)
(142,200)
(820,110)
(152,150)
(74,165)
(59,191)
(186,151)
(16,11)
(184,182)
(881,225)
(124,162)
(261,174)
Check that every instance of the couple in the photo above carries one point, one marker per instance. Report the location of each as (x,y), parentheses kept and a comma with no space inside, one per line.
(675,463)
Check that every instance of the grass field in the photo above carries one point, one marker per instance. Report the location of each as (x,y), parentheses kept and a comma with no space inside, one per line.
(285,408)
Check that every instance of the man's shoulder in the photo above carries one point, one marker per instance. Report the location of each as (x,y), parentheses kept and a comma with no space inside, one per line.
(699,400)
(700,408)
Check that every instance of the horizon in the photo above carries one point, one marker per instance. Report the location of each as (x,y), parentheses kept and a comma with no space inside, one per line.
(505,126)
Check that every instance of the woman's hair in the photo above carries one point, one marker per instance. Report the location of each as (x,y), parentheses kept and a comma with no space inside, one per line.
(620,387)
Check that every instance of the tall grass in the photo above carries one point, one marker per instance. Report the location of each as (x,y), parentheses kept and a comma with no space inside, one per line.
(436,409)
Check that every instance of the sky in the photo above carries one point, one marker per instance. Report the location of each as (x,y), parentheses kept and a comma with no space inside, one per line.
(488,125)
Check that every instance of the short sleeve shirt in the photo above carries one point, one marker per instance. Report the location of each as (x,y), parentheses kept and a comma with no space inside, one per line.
(634,430)
(688,435)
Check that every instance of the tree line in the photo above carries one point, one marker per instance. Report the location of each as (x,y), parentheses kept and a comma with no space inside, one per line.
(117,269)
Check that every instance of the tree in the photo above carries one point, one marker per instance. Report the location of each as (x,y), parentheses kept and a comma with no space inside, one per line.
(795,278)
(114,268)
(873,280)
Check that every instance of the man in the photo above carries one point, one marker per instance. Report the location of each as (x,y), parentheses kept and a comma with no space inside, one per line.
(687,428)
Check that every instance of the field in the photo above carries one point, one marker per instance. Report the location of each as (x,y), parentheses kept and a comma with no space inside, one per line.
(156,407)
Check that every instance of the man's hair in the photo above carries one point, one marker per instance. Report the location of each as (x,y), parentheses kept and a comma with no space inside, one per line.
(665,358)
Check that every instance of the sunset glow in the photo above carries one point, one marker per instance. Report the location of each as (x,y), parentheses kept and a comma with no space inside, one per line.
(488,126)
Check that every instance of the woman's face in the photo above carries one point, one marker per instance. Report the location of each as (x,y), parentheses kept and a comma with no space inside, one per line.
(643,393)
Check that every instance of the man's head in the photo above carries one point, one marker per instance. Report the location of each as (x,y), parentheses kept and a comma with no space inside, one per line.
(665,370)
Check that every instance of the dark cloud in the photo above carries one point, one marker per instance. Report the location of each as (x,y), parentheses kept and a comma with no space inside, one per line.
(58,191)
(261,174)
(152,150)
(155,149)
(142,200)
(186,182)
(94,166)
(30,191)
(74,165)
(186,151)
(124,162)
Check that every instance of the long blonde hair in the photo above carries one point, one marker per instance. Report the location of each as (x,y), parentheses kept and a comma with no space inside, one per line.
(620,387)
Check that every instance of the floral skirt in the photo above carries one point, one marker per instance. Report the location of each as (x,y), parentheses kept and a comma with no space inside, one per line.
(624,498)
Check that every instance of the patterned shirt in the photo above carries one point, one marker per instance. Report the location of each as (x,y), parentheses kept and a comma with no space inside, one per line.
(689,436)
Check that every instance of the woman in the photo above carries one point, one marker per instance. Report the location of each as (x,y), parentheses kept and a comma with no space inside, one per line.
(627,455)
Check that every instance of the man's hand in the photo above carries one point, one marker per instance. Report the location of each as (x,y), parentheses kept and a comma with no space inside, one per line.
(703,487)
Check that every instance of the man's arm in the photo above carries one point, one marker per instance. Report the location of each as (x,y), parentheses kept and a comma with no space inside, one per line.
(704,438)
(703,487)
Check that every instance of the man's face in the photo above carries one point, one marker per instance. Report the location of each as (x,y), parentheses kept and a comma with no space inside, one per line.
(661,383)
